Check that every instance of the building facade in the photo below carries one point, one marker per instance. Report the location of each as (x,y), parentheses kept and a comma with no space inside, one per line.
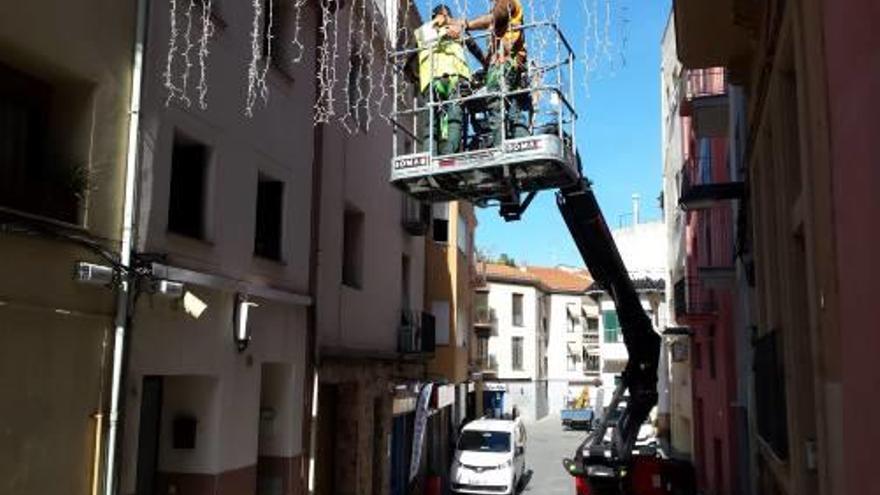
(514,356)
(803,249)
(538,345)
(677,337)
(217,378)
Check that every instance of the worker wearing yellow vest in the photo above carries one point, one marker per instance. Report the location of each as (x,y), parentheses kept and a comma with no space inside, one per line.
(507,59)
(443,66)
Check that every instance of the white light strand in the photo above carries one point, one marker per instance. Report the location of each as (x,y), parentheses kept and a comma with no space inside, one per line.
(362,63)
(187,62)
(327,55)
(371,60)
(207,33)
(298,47)
(384,82)
(345,120)
(258,68)
(256,52)
(168,76)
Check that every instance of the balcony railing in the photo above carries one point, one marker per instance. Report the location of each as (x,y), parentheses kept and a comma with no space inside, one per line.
(415,216)
(704,98)
(416,333)
(702,83)
(489,364)
(591,337)
(692,300)
(485,317)
(698,188)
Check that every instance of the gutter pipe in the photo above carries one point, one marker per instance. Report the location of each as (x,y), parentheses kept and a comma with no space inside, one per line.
(124,290)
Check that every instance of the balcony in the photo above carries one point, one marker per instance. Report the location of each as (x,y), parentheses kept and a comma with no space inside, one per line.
(415,216)
(699,190)
(487,365)
(485,319)
(592,365)
(712,33)
(416,333)
(693,302)
(591,338)
(704,99)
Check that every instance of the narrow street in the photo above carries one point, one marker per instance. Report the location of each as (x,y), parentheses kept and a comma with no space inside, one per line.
(548,443)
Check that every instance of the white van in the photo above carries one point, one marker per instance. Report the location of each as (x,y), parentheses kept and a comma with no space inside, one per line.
(490,457)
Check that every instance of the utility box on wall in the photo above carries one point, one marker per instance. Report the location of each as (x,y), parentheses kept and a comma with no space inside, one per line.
(183,432)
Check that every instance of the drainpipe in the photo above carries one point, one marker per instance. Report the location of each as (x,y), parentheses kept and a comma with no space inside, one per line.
(125,290)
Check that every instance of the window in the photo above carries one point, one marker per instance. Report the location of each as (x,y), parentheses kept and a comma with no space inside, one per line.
(712,358)
(188,195)
(43,161)
(517,353)
(572,360)
(612,326)
(592,324)
(352,248)
(440,310)
(484,441)
(440,223)
(517,310)
(270,204)
(404,282)
(571,317)
(483,349)
(592,363)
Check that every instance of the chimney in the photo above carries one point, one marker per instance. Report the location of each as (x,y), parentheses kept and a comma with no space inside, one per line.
(635,198)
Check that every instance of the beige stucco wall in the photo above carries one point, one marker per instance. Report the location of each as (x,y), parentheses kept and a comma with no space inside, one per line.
(54,330)
(449,278)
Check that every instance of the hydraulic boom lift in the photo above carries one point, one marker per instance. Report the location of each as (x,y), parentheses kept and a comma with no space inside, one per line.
(509,175)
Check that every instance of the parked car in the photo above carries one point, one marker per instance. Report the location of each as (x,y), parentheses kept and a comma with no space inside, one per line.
(490,457)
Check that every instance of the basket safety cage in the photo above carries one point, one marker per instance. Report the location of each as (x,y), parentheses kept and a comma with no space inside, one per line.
(516,130)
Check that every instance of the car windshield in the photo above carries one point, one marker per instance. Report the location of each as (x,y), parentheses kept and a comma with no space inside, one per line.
(484,441)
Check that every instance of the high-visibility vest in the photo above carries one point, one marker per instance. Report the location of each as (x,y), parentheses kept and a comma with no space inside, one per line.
(440,57)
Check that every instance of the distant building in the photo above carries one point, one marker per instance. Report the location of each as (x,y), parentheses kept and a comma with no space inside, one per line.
(534,351)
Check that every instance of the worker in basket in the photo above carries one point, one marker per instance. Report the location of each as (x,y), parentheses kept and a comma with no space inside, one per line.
(443,69)
(507,65)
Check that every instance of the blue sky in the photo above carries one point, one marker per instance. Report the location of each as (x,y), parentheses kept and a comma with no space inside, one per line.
(618,136)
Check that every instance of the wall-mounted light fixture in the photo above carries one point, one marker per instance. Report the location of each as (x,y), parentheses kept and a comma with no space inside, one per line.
(241,333)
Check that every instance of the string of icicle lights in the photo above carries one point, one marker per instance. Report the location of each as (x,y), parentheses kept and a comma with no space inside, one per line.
(280,35)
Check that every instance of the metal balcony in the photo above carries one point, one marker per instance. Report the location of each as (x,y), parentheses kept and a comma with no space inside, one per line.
(699,191)
(488,365)
(704,99)
(712,33)
(416,333)
(416,216)
(693,302)
(485,319)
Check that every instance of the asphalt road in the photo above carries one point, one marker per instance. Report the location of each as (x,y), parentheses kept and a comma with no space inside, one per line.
(547,444)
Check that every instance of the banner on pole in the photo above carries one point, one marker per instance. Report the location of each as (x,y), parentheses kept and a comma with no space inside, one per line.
(419,429)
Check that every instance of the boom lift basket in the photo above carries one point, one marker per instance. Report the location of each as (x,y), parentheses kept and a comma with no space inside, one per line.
(483,171)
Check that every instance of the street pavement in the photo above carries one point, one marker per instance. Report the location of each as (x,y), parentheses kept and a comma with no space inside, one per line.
(547,444)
